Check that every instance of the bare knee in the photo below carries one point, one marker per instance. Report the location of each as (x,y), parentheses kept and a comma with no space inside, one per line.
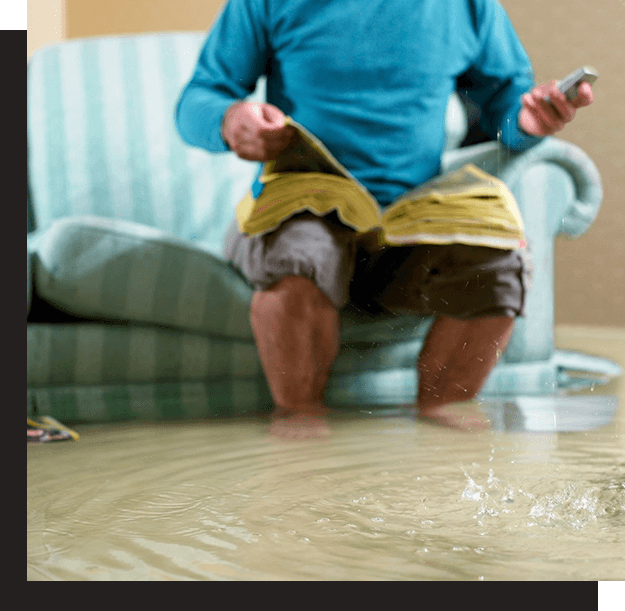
(292,296)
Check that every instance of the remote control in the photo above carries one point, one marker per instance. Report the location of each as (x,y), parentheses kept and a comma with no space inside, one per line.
(568,85)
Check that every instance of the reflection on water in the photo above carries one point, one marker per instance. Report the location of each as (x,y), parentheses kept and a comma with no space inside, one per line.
(551,414)
(383,498)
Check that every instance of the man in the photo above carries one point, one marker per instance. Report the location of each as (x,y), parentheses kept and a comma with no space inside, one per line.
(371,80)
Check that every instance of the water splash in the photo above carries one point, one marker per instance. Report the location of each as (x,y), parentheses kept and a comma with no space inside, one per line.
(572,505)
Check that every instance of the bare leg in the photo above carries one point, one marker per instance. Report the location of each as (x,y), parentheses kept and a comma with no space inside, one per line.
(297,333)
(456,359)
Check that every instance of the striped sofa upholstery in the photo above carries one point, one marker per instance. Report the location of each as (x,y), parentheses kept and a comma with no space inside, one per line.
(126,227)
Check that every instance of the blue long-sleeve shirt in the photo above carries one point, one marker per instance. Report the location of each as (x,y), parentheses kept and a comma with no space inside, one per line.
(370,79)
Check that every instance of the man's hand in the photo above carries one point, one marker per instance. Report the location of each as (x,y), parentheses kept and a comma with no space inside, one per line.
(541,118)
(256,132)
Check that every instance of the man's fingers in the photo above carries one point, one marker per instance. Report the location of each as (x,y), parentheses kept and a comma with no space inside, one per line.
(272,116)
(273,126)
(248,145)
(255,131)
(563,109)
(584,96)
(544,112)
(277,136)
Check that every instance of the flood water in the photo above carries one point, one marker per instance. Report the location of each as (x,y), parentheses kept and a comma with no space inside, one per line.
(540,496)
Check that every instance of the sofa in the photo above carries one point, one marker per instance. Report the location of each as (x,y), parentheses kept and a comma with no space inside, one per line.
(132,313)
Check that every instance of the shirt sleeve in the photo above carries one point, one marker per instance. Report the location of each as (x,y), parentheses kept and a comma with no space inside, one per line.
(232,59)
(498,77)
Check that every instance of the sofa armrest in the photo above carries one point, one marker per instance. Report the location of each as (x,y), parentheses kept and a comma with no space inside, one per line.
(570,216)
(558,190)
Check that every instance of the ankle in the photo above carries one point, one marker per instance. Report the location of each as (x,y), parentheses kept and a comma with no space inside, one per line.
(314,409)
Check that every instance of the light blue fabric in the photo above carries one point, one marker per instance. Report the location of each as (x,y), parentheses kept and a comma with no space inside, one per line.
(115,270)
(88,401)
(153,401)
(102,143)
(102,139)
(92,353)
(111,269)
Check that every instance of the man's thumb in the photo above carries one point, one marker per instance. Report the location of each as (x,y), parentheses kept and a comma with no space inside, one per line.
(272,116)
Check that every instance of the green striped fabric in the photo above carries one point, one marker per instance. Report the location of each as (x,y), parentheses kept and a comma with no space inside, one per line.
(95,353)
(118,270)
(92,353)
(102,138)
(250,396)
(158,401)
(164,374)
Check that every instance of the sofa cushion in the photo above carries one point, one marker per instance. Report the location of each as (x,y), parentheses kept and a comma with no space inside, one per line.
(111,269)
(89,353)
(151,401)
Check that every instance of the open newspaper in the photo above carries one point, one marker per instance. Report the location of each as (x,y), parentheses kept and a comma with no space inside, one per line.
(467,206)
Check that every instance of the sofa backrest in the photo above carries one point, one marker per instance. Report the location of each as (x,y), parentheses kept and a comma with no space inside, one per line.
(102,138)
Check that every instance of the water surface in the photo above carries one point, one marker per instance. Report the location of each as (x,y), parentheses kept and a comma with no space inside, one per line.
(383,498)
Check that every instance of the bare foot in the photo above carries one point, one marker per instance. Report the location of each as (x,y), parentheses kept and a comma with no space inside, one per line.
(463,416)
(306,424)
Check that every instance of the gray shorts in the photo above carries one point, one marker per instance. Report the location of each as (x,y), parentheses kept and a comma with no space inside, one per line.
(453,280)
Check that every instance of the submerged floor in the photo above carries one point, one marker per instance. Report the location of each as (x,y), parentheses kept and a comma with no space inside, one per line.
(383,498)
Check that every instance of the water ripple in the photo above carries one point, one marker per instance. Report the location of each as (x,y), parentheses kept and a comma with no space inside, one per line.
(380,499)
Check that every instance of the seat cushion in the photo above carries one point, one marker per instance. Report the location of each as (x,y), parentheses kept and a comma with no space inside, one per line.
(109,269)
(114,270)
(88,353)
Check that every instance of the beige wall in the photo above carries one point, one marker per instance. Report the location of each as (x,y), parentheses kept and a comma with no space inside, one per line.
(96,17)
(45,22)
(560,35)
